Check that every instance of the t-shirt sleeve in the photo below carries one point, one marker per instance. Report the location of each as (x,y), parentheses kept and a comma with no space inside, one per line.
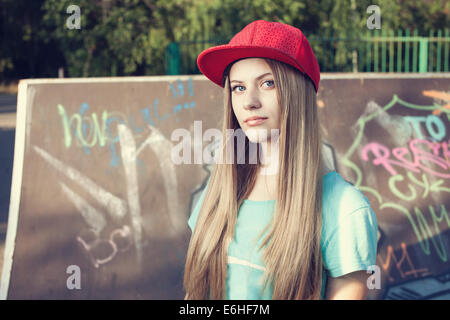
(352,245)
(195,212)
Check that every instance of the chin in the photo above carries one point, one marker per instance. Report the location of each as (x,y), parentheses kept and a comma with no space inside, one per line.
(256,140)
(258,135)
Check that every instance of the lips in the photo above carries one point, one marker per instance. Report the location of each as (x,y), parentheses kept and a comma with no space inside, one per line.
(254,118)
(254,121)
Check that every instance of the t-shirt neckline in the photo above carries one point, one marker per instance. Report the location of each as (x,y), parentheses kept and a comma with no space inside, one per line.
(274,200)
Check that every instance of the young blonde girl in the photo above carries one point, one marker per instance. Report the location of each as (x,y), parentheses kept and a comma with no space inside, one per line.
(301,233)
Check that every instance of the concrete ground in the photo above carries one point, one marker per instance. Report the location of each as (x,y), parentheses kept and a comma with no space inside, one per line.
(7,134)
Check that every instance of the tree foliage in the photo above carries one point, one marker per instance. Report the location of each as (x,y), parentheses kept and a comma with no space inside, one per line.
(129,37)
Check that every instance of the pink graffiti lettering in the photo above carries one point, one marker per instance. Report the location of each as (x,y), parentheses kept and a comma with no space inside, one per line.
(425,157)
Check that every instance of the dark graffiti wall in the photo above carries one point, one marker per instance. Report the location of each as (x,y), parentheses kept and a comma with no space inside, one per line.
(95,186)
(95,190)
(391,138)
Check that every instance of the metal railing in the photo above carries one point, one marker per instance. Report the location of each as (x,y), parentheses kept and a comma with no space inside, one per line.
(385,51)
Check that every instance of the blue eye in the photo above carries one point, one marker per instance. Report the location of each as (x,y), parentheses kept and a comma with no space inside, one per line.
(270,81)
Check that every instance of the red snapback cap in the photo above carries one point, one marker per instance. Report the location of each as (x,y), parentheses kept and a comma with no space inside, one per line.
(262,39)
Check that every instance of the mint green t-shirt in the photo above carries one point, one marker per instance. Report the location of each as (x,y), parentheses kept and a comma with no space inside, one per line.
(348,242)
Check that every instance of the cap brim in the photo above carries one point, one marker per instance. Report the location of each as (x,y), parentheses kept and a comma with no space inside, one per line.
(212,62)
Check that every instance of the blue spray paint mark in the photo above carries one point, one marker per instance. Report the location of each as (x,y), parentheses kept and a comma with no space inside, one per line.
(180,87)
(147,117)
(133,125)
(172,89)
(115,158)
(177,108)
(186,105)
(84,107)
(155,111)
(191,87)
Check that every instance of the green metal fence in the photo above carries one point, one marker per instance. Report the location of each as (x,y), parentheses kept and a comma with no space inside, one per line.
(385,51)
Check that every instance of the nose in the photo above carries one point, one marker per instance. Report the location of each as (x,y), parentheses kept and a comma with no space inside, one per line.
(251,100)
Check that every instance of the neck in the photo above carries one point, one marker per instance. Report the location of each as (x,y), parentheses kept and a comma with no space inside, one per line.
(269,158)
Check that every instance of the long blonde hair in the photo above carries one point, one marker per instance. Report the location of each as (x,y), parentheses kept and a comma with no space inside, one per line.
(292,253)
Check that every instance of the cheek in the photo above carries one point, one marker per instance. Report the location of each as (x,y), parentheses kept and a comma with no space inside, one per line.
(276,110)
(237,114)
(277,117)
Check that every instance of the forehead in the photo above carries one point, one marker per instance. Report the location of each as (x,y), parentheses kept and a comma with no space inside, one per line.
(248,68)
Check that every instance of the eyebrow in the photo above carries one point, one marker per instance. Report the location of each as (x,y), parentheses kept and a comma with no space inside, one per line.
(257,78)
